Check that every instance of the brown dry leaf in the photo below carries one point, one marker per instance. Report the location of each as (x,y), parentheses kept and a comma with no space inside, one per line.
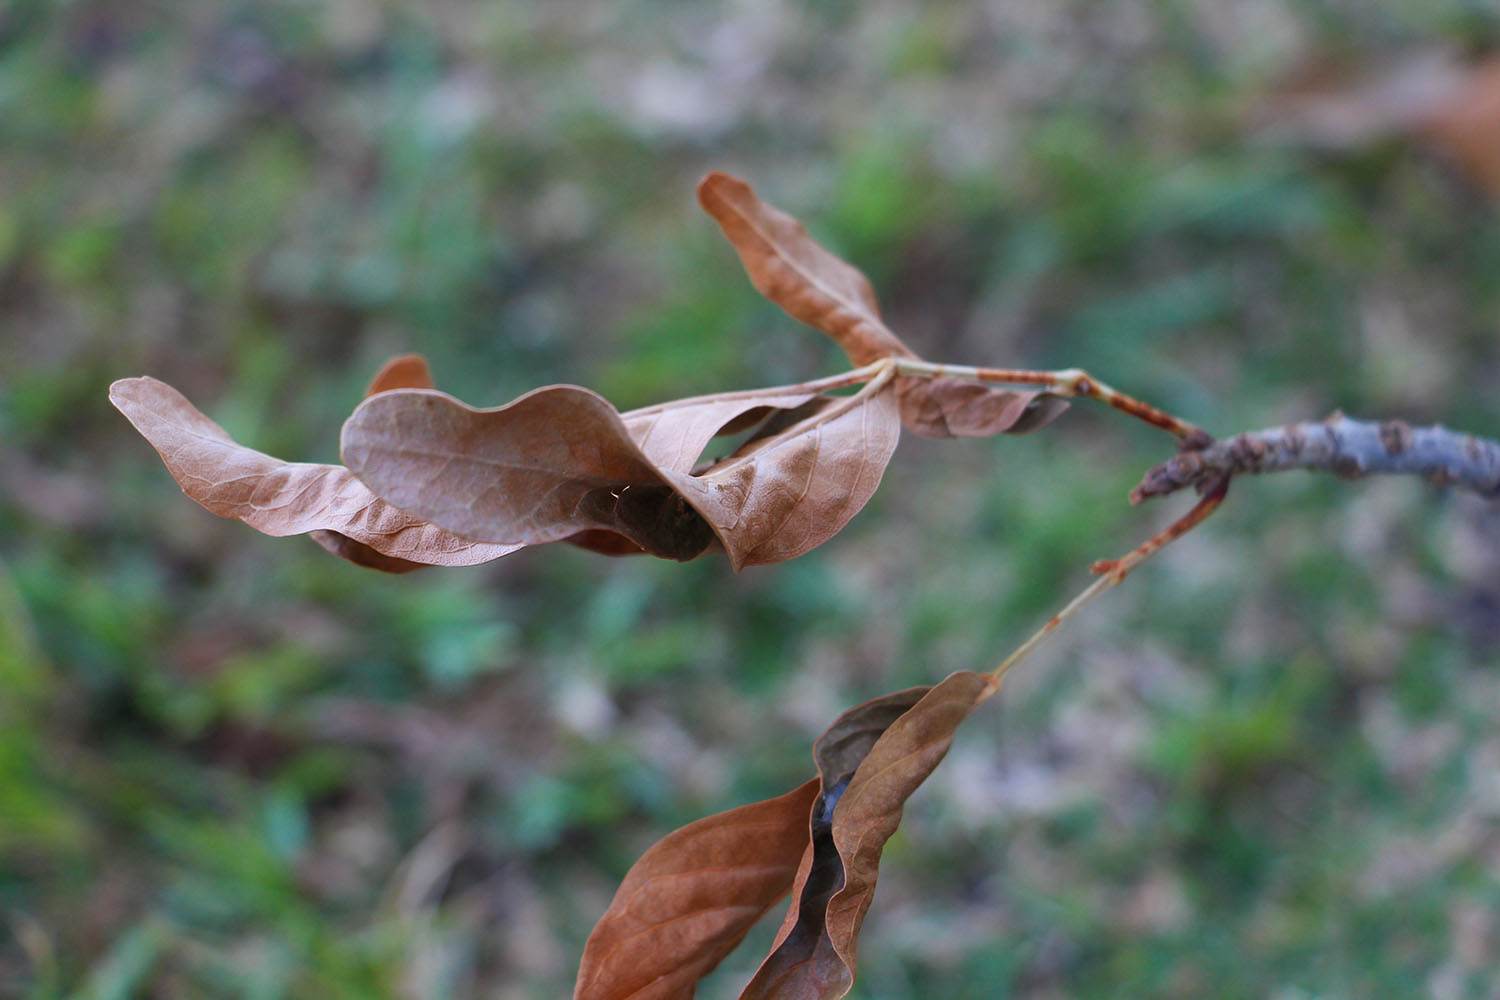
(560,461)
(793,270)
(845,744)
(458,485)
(691,898)
(1323,108)
(550,464)
(687,902)
(404,371)
(284,498)
(1467,126)
(789,492)
(1432,97)
(816,951)
(672,435)
(361,554)
(950,407)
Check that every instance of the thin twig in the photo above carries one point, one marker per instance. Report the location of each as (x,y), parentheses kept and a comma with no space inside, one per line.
(814,387)
(1024,650)
(1213,495)
(1068,382)
(883,371)
(1346,447)
(1112,571)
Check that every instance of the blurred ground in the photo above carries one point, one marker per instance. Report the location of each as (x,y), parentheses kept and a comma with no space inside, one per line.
(233,766)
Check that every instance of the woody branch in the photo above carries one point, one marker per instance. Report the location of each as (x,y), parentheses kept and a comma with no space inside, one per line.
(1342,445)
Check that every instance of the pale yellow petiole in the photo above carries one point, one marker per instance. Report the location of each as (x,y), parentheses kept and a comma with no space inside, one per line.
(1112,571)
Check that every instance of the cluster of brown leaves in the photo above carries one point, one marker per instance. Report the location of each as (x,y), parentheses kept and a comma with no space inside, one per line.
(429,480)
(691,898)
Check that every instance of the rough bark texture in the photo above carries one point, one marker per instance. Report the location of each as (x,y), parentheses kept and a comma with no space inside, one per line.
(1346,447)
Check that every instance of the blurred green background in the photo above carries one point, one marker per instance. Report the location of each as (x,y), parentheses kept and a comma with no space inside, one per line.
(234,766)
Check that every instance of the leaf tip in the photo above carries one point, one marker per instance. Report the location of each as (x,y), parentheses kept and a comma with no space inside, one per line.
(120,387)
(126,394)
(714,183)
(405,371)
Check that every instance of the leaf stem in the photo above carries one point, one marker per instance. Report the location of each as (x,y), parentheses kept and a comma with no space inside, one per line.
(1024,650)
(1112,571)
(1070,382)
(879,375)
(815,387)
(882,371)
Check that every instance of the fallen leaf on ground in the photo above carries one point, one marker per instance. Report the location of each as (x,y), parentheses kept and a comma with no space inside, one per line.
(1467,126)
(1432,98)
(691,898)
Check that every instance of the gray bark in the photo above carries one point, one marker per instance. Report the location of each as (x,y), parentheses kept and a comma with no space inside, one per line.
(1346,447)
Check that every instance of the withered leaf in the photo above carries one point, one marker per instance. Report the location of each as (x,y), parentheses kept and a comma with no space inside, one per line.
(672,435)
(950,407)
(561,460)
(1466,128)
(816,951)
(361,554)
(846,743)
(1435,98)
(283,498)
(1326,108)
(789,492)
(793,270)
(691,898)
(404,371)
(802,964)
(551,464)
